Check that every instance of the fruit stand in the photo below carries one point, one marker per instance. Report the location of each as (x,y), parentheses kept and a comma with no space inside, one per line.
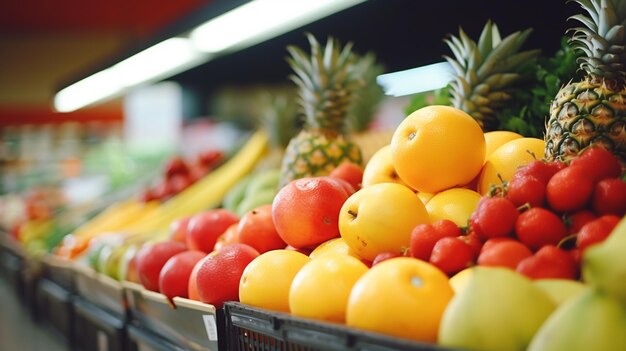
(472,224)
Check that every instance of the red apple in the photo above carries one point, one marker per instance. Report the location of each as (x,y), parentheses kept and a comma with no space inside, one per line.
(350,172)
(174,276)
(256,228)
(203,229)
(230,236)
(151,258)
(219,273)
(178,229)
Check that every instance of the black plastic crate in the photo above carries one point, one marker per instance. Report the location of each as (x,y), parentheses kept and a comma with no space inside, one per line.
(250,328)
(56,309)
(96,329)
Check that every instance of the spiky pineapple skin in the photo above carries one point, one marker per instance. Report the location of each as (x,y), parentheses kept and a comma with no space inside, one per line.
(586,113)
(314,153)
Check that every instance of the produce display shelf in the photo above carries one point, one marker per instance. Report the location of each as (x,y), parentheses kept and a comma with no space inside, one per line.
(188,324)
(252,328)
(55,306)
(60,271)
(101,290)
(145,340)
(97,329)
(11,264)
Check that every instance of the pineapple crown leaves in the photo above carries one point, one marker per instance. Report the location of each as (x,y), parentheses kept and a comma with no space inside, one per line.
(484,72)
(327,80)
(279,118)
(602,39)
(368,96)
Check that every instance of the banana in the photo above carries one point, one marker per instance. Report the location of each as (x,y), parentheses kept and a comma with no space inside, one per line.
(604,265)
(591,321)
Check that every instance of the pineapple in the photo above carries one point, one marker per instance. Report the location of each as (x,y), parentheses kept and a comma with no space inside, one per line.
(363,110)
(327,80)
(485,72)
(593,110)
(279,120)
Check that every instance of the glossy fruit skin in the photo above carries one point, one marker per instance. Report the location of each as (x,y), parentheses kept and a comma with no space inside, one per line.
(380,169)
(505,161)
(456,204)
(599,163)
(335,246)
(596,231)
(256,228)
(609,197)
(384,256)
(451,255)
(150,260)
(496,217)
(549,262)
(220,272)
(380,218)
(578,219)
(230,236)
(204,228)
(424,156)
(495,139)
(174,276)
(425,236)
(321,288)
(505,253)
(306,211)
(350,172)
(266,281)
(569,189)
(178,229)
(523,190)
(538,227)
(192,285)
(400,291)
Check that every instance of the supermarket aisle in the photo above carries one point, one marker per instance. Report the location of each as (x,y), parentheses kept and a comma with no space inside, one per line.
(17,331)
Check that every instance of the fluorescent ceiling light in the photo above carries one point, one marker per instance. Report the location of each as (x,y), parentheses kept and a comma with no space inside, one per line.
(249,24)
(159,61)
(260,20)
(416,80)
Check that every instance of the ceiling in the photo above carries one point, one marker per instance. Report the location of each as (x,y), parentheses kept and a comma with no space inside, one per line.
(45,43)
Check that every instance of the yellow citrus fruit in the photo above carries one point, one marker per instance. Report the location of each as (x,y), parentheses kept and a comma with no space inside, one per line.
(456,204)
(437,148)
(336,245)
(459,281)
(402,297)
(498,138)
(321,288)
(504,162)
(425,197)
(380,218)
(379,169)
(267,279)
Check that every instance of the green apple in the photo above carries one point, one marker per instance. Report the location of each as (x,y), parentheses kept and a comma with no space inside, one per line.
(560,290)
(592,320)
(499,309)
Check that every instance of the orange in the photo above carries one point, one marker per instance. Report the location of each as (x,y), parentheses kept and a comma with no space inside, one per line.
(305,211)
(266,280)
(456,204)
(498,138)
(402,297)
(379,218)
(336,245)
(380,169)
(504,162)
(437,148)
(321,288)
